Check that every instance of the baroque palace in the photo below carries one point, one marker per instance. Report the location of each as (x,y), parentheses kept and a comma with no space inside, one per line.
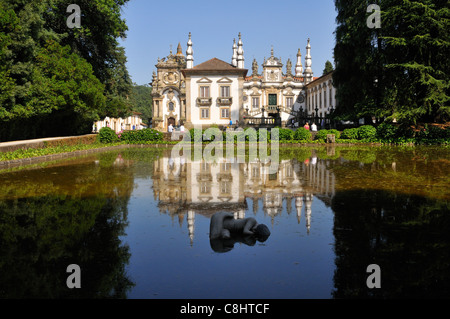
(216,92)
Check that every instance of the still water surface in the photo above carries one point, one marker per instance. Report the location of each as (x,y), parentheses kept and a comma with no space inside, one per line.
(137,222)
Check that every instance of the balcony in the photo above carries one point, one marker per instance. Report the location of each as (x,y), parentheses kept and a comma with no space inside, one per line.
(224,101)
(254,112)
(275,108)
(204,101)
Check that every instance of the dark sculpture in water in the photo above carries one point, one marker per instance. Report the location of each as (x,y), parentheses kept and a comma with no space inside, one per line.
(225,231)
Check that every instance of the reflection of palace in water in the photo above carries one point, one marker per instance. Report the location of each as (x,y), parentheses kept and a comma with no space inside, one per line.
(186,188)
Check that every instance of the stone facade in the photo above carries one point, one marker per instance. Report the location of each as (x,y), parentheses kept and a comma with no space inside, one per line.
(216,92)
(321,95)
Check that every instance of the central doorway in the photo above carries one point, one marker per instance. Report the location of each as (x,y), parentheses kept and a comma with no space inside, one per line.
(273,100)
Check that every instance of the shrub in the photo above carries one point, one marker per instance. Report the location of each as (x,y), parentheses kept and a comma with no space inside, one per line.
(263,135)
(196,134)
(367,132)
(213,134)
(405,131)
(350,134)
(335,132)
(252,134)
(386,131)
(283,134)
(145,135)
(107,135)
(322,135)
(435,132)
(231,136)
(302,134)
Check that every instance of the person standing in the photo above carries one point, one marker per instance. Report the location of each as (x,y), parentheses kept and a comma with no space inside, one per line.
(314,127)
(306,126)
(170,128)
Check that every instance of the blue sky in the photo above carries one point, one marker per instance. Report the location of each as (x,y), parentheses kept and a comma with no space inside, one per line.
(284,24)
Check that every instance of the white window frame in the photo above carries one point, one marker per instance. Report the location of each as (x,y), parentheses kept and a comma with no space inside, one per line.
(205,89)
(202,115)
(289,102)
(257,104)
(225,91)
(222,109)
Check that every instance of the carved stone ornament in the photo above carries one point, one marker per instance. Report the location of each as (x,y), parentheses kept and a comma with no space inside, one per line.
(255,67)
(288,91)
(170,95)
(289,67)
(255,91)
(171,78)
(272,76)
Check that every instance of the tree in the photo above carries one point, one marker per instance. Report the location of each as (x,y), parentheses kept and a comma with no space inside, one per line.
(68,90)
(96,41)
(399,71)
(356,61)
(23,43)
(8,23)
(328,68)
(31,96)
(118,87)
(416,50)
(142,101)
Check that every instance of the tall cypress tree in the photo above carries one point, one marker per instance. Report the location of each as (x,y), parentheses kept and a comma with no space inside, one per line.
(356,60)
(416,50)
(399,71)
(328,68)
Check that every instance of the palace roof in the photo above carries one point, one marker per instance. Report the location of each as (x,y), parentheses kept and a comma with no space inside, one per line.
(214,66)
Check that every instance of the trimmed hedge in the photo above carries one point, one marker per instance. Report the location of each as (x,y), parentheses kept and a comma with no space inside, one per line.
(302,134)
(335,132)
(350,134)
(107,135)
(283,134)
(386,131)
(367,132)
(145,135)
(322,135)
(196,134)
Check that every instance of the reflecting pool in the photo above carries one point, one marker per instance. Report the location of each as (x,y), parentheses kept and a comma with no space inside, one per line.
(137,220)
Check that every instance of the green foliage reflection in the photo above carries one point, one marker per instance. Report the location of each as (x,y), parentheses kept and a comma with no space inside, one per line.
(57,216)
(406,235)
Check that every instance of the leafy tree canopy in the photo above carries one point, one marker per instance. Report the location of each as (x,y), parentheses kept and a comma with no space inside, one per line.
(47,67)
(142,101)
